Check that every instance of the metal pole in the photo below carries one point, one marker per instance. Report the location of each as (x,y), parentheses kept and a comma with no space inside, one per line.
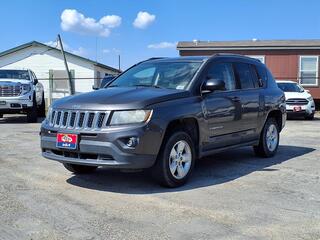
(71,90)
(119,62)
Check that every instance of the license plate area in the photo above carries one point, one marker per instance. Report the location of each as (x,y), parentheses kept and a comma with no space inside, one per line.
(67,141)
(297,109)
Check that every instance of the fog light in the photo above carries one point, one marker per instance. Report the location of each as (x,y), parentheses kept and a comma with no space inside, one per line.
(132,142)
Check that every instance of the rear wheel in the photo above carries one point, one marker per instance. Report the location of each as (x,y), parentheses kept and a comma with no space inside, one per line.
(269,139)
(32,113)
(175,161)
(79,169)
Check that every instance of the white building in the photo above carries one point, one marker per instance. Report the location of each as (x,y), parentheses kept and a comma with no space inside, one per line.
(48,65)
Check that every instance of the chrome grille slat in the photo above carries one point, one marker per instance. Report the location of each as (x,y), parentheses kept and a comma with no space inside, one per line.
(90,121)
(80,122)
(10,91)
(72,121)
(65,117)
(297,101)
(77,119)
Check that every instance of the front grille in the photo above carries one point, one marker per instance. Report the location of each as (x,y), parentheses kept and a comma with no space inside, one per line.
(297,101)
(88,120)
(10,91)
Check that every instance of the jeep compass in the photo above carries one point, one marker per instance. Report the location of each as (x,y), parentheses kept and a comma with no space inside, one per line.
(165,113)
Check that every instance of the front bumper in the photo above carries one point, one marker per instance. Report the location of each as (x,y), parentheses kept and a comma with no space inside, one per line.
(306,110)
(106,148)
(15,104)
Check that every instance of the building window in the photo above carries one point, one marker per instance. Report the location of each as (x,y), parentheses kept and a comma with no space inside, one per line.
(260,58)
(309,70)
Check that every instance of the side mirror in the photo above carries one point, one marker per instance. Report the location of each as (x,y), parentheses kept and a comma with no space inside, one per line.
(213,85)
(308,91)
(35,81)
(94,88)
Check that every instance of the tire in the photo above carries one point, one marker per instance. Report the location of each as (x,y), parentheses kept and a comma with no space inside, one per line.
(42,108)
(79,169)
(32,113)
(269,139)
(309,117)
(181,160)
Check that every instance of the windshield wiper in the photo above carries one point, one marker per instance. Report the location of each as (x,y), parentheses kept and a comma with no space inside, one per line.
(111,86)
(147,85)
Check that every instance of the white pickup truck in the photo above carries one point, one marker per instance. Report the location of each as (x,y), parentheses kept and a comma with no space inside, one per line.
(20,92)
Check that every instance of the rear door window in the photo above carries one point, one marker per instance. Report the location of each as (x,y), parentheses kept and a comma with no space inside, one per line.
(244,75)
(224,72)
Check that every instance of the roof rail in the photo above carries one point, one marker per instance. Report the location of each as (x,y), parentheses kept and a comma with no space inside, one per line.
(154,58)
(235,55)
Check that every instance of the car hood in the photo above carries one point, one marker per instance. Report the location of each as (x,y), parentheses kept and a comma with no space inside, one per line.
(297,94)
(119,98)
(9,81)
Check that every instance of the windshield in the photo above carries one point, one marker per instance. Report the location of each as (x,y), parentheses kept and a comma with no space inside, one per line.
(15,74)
(171,75)
(290,87)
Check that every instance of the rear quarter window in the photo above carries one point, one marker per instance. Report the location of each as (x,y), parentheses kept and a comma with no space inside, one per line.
(262,75)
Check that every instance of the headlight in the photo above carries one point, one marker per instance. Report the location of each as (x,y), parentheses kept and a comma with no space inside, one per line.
(129,117)
(310,99)
(26,88)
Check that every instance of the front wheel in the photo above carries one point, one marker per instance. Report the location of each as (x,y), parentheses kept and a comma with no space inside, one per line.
(269,139)
(32,113)
(175,161)
(309,117)
(42,108)
(79,169)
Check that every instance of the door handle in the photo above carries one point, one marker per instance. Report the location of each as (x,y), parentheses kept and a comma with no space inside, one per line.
(235,99)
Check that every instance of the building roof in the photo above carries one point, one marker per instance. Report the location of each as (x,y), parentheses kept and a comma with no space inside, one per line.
(254,44)
(35,43)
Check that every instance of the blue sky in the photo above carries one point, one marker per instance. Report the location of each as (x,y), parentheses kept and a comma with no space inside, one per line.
(166,21)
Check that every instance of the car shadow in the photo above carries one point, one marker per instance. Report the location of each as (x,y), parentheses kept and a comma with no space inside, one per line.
(213,170)
(16,119)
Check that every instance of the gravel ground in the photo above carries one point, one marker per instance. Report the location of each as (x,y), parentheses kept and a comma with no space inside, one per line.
(231,195)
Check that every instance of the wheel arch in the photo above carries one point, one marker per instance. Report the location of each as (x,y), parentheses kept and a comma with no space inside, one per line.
(189,124)
(277,115)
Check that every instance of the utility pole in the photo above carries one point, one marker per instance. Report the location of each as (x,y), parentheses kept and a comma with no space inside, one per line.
(71,90)
(119,62)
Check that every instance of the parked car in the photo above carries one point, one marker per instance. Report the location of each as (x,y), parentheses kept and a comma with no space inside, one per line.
(163,114)
(299,101)
(104,82)
(20,92)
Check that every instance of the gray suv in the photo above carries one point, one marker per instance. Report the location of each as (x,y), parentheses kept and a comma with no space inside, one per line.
(164,114)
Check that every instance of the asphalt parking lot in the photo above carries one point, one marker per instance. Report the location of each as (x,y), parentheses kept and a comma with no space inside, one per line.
(232,195)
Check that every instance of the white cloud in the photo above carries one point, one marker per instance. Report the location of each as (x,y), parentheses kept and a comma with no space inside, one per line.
(143,20)
(111,21)
(111,51)
(80,51)
(56,44)
(74,21)
(105,51)
(163,45)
